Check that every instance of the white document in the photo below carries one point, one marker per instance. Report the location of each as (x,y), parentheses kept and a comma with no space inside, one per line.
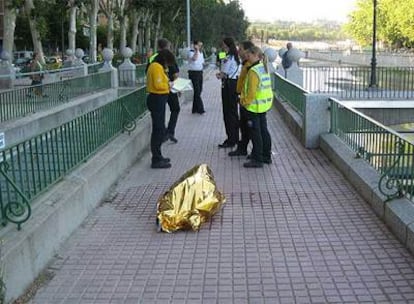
(181,84)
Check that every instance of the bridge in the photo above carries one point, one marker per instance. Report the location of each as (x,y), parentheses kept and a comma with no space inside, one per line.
(311,227)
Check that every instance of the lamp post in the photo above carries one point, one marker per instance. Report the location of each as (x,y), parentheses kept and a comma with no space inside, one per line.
(373,82)
(188,25)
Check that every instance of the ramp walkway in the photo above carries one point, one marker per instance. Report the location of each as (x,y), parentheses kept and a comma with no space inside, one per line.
(294,231)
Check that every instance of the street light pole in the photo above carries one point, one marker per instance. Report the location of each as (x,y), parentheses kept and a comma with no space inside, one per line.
(373,83)
(188,25)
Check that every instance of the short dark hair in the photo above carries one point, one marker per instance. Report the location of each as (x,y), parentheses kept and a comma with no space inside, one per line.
(247,44)
(165,58)
(163,43)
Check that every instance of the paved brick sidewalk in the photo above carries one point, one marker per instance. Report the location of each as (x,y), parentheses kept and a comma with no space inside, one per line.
(292,232)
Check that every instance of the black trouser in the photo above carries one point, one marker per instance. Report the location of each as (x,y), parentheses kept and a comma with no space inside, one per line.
(174,104)
(38,90)
(244,130)
(260,136)
(156,106)
(229,100)
(196,78)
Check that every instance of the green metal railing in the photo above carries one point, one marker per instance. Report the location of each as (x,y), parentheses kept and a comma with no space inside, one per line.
(95,67)
(132,77)
(383,148)
(289,92)
(140,74)
(17,103)
(353,82)
(31,167)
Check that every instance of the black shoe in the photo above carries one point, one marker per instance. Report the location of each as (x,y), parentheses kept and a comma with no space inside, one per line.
(237,153)
(166,159)
(249,156)
(161,165)
(172,138)
(253,164)
(201,112)
(267,161)
(226,144)
(165,138)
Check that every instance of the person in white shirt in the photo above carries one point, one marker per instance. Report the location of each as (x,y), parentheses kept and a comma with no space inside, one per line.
(229,73)
(195,73)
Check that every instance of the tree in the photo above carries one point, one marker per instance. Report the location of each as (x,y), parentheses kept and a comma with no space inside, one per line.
(73,9)
(92,7)
(10,15)
(33,15)
(394,23)
(107,8)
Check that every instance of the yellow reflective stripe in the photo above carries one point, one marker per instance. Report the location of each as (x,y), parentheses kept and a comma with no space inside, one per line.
(222,55)
(264,95)
(151,59)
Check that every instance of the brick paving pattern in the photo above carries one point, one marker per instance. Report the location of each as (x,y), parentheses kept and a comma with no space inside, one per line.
(294,231)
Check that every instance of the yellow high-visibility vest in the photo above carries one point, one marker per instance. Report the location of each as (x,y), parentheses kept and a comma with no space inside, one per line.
(151,59)
(222,55)
(264,95)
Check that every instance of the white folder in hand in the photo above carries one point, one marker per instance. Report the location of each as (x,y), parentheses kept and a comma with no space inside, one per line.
(181,84)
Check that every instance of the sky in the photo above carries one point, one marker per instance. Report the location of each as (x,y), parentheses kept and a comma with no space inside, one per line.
(297,10)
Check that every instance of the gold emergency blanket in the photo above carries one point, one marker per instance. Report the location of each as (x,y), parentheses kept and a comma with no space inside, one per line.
(191,201)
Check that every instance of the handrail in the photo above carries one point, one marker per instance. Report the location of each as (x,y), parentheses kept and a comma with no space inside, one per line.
(34,165)
(16,103)
(353,82)
(382,147)
(289,92)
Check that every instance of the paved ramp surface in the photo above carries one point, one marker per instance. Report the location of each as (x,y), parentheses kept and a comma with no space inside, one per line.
(294,231)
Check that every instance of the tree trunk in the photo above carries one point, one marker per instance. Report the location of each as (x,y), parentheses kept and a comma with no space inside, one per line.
(123,29)
(148,35)
(72,29)
(37,43)
(92,22)
(157,28)
(135,29)
(9,27)
(110,33)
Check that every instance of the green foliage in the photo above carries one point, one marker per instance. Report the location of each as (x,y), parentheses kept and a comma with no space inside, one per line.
(394,23)
(212,20)
(14,3)
(301,31)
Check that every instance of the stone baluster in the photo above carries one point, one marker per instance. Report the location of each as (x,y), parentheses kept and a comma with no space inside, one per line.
(127,69)
(108,55)
(7,71)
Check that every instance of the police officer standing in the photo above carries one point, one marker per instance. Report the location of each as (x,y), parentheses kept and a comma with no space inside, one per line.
(195,73)
(257,99)
(173,100)
(244,130)
(229,73)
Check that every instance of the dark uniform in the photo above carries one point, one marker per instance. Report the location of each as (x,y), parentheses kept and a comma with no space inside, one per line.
(174,104)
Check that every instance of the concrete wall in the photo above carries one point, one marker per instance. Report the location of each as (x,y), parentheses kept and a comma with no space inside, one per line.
(57,213)
(305,127)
